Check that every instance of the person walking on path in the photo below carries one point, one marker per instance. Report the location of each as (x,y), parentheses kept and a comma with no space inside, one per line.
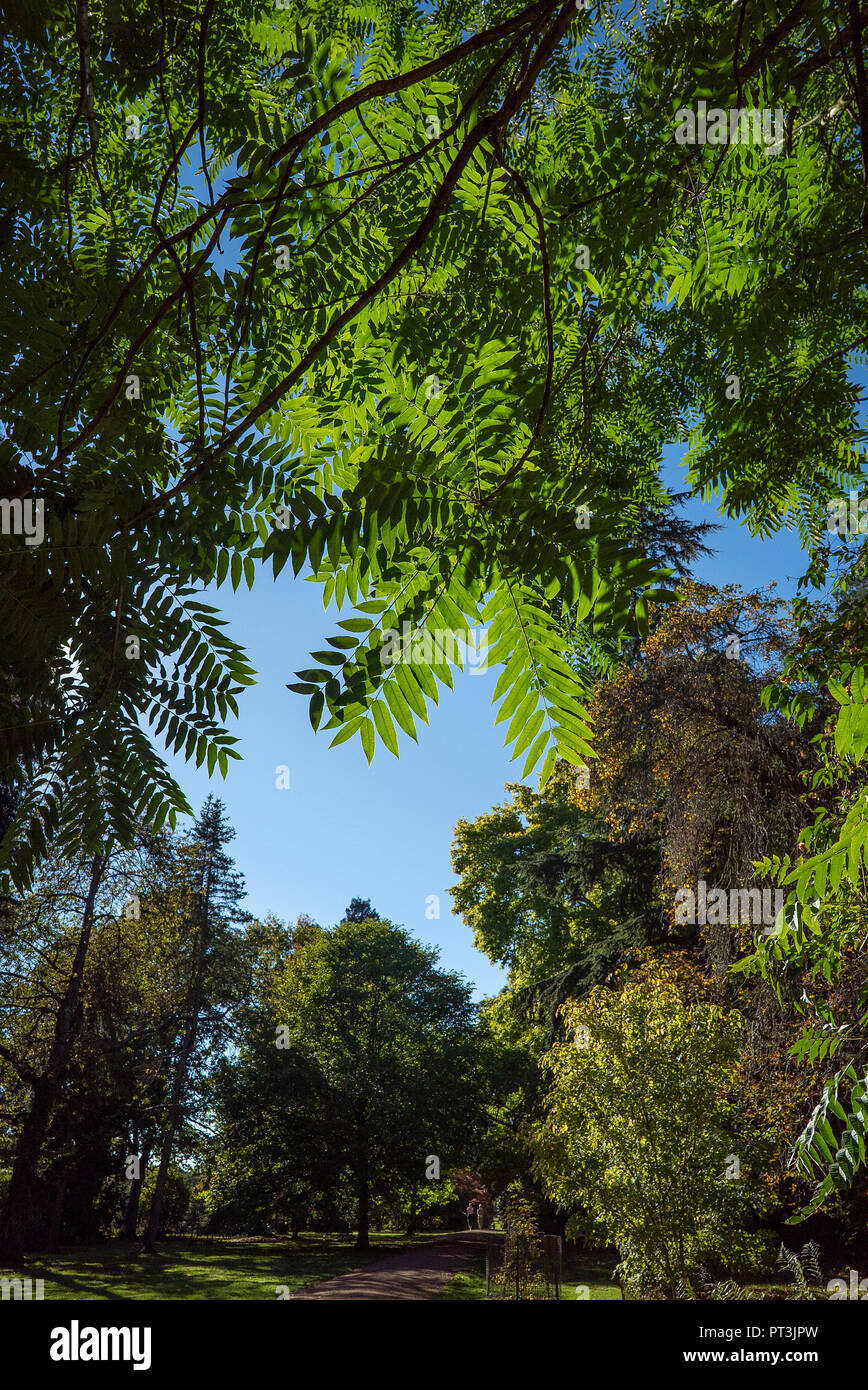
(471,1215)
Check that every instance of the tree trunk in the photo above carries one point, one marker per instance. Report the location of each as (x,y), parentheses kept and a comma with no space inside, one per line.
(131,1214)
(179,1080)
(296,1216)
(155,1211)
(411,1220)
(45,1090)
(173,1117)
(364,1215)
(56,1228)
(14,1221)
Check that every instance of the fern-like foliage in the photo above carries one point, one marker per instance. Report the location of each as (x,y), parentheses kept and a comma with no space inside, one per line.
(392,296)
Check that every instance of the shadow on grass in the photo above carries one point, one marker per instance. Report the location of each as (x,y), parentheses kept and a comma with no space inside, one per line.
(227,1268)
(581,1272)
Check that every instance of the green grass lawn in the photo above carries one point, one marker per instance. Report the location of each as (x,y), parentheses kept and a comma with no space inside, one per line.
(465,1287)
(230,1268)
(592,1272)
(251,1268)
(580,1272)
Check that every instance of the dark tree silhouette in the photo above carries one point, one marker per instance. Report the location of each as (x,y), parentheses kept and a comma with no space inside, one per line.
(360,910)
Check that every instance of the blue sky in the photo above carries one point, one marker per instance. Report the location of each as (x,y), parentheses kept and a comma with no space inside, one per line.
(345,830)
(383,832)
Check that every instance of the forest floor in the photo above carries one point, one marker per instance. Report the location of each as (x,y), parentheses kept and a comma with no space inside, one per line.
(584,1276)
(450,1267)
(202,1267)
(315,1267)
(414,1275)
(453,1268)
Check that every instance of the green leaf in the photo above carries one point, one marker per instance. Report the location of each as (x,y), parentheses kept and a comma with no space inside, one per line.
(366,729)
(385,727)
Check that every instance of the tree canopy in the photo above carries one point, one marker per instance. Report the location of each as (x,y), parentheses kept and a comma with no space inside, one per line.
(384,1042)
(415,301)
(413,298)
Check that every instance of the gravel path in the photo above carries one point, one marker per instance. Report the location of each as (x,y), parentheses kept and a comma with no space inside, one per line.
(415,1274)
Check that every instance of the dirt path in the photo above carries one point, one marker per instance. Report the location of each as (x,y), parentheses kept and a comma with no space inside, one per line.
(415,1274)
